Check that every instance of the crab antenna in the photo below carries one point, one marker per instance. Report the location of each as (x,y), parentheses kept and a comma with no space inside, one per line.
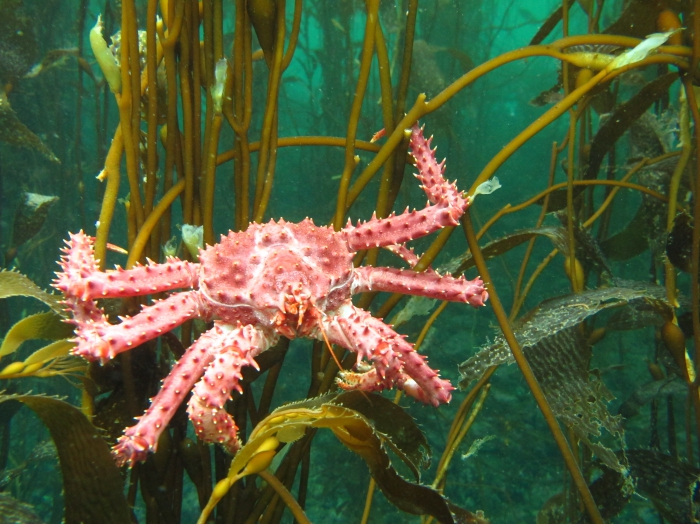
(330,349)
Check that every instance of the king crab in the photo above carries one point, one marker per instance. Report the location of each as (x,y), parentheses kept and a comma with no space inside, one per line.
(279,278)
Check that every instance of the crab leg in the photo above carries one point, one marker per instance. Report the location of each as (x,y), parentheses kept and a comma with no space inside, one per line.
(81,277)
(222,339)
(141,438)
(426,284)
(237,347)
(395,362)
(448,205)
(97,339)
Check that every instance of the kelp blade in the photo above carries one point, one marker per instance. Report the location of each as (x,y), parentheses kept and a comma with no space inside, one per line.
(46,326)
(13,284)
(356,432)
(92,485)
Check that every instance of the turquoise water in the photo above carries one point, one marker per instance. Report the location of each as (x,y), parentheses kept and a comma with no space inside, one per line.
(59,119)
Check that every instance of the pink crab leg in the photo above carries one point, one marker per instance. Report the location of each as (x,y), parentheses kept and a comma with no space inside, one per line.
(141,438)
(427,284)
(81,277)
(97,339)
(395,362)
(207,406)
(405,254)
(449,205)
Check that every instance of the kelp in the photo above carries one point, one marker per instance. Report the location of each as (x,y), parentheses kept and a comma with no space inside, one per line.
(13,511)
(15,284)
(45,451)
(507,242)
(30,216)
(679,243)
(557,314)
(650,391)
(558,353)
(612,128)
(650,136)
(622,118)
(548,26)
(671,485)
(639,17)
(364,423)
(16,133)
(49,360)
(92,485)
(587,249)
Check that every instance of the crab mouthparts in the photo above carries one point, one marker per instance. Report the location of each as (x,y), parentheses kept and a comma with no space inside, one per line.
(298,315)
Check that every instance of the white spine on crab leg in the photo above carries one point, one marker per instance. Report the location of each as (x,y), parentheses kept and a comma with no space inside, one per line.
(207,406)
(394,361)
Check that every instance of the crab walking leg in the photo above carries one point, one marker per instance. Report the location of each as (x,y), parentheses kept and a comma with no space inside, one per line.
(395,362)
(430,173)
(141,438)
(448,205)
(426,284)
(207,407)
(82,279)
(97,339)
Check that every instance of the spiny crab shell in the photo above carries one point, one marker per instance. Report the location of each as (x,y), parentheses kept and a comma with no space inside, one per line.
(275,279)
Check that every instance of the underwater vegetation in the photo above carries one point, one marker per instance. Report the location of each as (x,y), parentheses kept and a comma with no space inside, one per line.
(246,165)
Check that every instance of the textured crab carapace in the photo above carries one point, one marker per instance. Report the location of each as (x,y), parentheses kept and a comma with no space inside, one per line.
(279,278)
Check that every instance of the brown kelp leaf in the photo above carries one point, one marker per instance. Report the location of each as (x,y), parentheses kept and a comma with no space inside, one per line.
(14,284)
(631,241)
(43,451)
(553,511)
(288,423)
(30,216)
(622,118)
(648,392)
(53,58)
(263,15)
(625,117)
(679,245)
(672,486)
(556,314)
(16,133)
(504,244)
(12,511)
(577,398)
(92,485)
(45,326)
(394,425)
(638,19)
(559,353)
(611,492)
(646,230)
(549,25)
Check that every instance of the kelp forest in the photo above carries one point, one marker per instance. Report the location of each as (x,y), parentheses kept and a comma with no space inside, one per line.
(225,298)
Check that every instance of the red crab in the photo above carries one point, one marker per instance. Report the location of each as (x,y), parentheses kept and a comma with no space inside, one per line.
(279,278)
